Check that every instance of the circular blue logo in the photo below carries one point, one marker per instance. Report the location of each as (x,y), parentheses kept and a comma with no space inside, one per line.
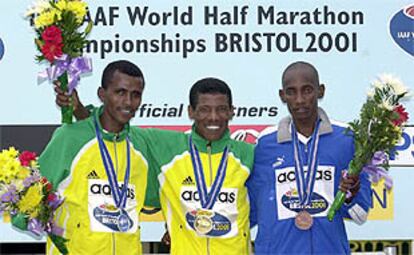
(1,49)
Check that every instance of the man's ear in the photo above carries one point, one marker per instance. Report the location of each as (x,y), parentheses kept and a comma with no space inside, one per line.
(101,94)
(321,91)
(282,95)
(190,112)
(232,112)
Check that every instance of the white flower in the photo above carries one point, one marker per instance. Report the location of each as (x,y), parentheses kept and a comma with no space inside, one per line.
(386,104)
(377,84)
(394,83)
(38,7)
(371,93)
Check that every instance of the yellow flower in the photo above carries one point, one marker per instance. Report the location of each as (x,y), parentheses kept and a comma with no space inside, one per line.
(62,5)
(9,170)
(48,18)
(11,153)
(23,173)
(78,8)
(31,199)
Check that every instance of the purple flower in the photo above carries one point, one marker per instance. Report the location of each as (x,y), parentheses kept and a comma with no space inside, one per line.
(9,196)
(28,181)
(379,158)
(375,170)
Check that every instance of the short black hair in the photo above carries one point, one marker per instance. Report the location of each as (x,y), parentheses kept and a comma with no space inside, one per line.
(123,66)
(209,86)
(300,64)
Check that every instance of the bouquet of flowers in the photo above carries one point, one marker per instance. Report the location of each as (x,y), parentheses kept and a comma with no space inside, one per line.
(376,132)
(27,197)
(59,40)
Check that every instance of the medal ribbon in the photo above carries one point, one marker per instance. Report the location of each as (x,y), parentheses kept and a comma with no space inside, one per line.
(119,196)
(305,186)
(208,199)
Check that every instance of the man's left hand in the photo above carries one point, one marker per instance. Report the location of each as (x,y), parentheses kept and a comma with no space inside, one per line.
(349,184)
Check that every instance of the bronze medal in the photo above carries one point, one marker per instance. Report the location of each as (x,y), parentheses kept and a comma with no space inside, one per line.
(303,220)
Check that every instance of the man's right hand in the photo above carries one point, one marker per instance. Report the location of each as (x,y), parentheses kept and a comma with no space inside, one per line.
(64,99)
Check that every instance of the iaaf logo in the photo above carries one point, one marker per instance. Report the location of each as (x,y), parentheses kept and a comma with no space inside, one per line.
(247,133)
(1,49)
(402,29)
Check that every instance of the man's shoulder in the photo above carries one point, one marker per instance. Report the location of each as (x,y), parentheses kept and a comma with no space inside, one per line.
(74,129)
(242,145)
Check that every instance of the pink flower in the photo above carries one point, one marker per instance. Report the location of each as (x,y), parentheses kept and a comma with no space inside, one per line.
(400,116)
(52,35)
(51,51)
(26,157)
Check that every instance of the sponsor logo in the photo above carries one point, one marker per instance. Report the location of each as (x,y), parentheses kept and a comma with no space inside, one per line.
(402,29)
(113,218)
(188,181)
(223,197)
(221,224)
(318,204)
(105,189)
(93,175)
(1,49)
(289,176)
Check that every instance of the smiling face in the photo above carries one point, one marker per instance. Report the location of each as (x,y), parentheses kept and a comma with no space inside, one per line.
(301,91)
(211,115)
(121,99)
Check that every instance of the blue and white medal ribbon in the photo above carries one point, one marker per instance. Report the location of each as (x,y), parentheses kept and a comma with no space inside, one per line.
(208,199)
(305,185)
(119,195)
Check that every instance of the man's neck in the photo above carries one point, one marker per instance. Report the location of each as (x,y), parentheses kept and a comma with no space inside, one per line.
(109,125)
(306,127)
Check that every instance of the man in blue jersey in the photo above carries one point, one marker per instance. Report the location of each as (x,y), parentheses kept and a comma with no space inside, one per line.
(298,169)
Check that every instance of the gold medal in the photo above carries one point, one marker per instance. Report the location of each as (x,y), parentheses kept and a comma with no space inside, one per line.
(203,223)
(303,220)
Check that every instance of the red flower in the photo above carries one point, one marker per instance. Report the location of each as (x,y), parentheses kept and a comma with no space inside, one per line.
(52,35)
(51,197)
(51,51)
(400,116)
(48,187)
(43,180)
(26,157)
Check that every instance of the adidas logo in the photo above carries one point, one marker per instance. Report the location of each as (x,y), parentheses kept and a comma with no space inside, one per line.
(188,181)
(93,175)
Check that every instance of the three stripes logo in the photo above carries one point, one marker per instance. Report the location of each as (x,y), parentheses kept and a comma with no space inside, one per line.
(188,181)
(93,175)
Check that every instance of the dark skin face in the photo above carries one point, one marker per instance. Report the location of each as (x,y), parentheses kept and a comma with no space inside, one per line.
(301,91)
(121,99)
(211,115)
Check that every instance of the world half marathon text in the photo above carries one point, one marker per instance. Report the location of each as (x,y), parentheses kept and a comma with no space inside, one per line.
(228,29)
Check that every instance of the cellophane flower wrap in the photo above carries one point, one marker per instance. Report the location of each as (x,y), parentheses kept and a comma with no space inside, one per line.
(27,197)
(60,38)
(376,132)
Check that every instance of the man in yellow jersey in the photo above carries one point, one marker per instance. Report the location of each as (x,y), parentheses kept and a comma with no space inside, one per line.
(100,166)
(202,176)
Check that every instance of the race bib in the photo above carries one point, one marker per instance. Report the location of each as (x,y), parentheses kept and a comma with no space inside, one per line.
(104,216)
(222,217)
(287,198)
